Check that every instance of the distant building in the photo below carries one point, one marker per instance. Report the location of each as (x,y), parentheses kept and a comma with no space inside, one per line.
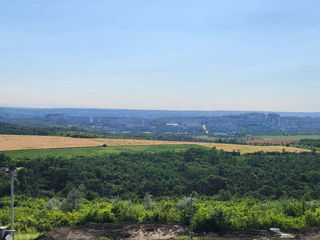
(55,118)
(172,124)
(274,119)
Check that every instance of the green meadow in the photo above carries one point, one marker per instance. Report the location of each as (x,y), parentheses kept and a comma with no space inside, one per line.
(85,151)
(303,136)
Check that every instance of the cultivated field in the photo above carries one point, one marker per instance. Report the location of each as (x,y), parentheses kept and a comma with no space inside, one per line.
(280,139)
(94,151)
(273,141)
(20,142)
(302,136)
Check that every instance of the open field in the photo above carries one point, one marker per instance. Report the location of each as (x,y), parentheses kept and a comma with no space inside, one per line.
(280,139)
(21,142)
(273,141)
(89,151)
(303,136)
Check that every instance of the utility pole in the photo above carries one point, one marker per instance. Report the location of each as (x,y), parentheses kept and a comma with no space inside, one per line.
(12,204)
(191,219)
(11,172)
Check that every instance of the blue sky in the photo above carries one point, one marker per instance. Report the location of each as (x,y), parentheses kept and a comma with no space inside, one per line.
(187,55)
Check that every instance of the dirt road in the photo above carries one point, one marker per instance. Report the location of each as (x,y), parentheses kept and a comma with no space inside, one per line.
(152,231)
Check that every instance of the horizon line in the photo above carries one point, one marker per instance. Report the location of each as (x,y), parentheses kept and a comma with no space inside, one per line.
(167,110)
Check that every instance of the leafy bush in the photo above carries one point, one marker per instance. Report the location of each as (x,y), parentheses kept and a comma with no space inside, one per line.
(53,204)
(216,218)
(73,199)
(148,203)
(294,208)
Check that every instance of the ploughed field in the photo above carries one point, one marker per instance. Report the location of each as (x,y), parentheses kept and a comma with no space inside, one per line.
(273,141)
(23,142)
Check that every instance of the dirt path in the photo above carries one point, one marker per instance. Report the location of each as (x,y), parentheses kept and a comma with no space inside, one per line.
(132,231)
(152,231)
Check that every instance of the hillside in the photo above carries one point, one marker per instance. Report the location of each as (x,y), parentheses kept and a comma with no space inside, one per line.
(19,142)
(164,124)
(171,173)
(232,191)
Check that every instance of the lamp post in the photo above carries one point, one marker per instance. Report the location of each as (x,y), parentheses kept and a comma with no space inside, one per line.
(191,218)
(11,172)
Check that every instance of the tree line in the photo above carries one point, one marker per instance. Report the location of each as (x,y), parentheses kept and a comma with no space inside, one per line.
(207,172)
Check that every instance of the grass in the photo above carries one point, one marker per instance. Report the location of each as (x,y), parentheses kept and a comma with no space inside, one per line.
(34,153)
(26,236)
(287,136)
(31,146)
(71,152)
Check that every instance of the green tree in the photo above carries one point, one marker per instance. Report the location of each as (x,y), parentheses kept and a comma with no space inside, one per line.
(73,199)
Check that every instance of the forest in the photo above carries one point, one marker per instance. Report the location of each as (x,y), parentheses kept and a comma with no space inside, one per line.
(205,171)
(15,129)
(310,143)
(230,191)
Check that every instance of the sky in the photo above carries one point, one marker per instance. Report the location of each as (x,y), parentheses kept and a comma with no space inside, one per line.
(175,55)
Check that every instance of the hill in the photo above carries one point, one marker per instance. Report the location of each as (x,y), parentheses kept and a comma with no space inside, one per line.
(170,173)
(19,142)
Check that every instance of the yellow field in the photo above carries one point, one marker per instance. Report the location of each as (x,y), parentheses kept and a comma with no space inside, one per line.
(20,142)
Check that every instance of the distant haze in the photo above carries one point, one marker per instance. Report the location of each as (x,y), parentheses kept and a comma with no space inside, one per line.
(170,55)
(92,112)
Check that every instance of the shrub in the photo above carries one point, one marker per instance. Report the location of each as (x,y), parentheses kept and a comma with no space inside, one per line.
(313,217)
(53,204)
(216,218)
(73,199)
(148,203)
(294,208)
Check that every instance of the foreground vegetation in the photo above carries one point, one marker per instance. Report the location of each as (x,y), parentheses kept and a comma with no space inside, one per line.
(231,191)
(35,216)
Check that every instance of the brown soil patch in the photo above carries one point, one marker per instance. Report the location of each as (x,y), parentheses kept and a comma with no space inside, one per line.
(301,234)
(20,142)
(152,231)
(132,231)
(273,141)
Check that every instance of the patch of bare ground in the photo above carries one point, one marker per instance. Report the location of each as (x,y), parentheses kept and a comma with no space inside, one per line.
(301,234)
(307,233)
(273,141)
(117,231)
(152,231)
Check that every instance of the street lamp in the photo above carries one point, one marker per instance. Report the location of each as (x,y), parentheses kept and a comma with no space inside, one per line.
(12,173)
(191,218)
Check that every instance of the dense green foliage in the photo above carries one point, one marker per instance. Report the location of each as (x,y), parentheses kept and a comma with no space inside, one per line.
(32,214)
(6,128)
(310,143)
(315,134)
(262,175)
(233,191)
